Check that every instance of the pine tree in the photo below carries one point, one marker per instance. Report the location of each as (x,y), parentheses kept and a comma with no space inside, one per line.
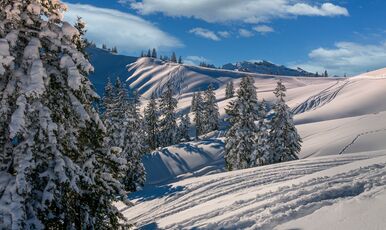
(151,123)
(199,115)
(184,128)
(180,60)
(142,54)
(154,53)
(263,154)
(325,73)
(149,53)
(285,141)
(229,91)
(173,57)
(134,148)
(168,123)
(104,47)
(114,50)
(193,103)
(211,113)
(56,170)
(240,142)
(79,40)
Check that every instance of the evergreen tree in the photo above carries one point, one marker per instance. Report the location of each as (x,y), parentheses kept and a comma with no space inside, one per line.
(134,148)
(229,91)
(79,40)
(184,128)
(173,58)
(211,113)
(199,115)
(285,141)
(56,170)
(180,60)
(114,50)
(104,46)
(263,154)
(325,73)
(193,103)
(168,123)
(240,142)
(154,53)
(142,54)
(151,123)
(149,53)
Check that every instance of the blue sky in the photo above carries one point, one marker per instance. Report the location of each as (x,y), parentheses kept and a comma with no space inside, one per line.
(340,36)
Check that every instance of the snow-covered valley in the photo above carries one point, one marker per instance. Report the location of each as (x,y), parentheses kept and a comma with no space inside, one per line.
(343,126)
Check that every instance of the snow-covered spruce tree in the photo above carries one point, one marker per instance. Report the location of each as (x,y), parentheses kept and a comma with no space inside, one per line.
(151,120)
(263,154)
(134,148)
(184,128)
(285,141)
(211,113)
(240,141)
(55,169)
(229,91)
(193,103)
(168,123)
(199,115)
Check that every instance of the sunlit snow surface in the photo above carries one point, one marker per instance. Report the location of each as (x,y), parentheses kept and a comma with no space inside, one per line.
(340,182)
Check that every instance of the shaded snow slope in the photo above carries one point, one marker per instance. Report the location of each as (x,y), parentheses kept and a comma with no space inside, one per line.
(107,65)
(259,198)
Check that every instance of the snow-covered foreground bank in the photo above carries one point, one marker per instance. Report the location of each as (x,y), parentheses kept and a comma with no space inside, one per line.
(266,197)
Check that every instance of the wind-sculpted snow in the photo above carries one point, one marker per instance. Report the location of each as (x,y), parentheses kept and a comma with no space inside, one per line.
(258,198)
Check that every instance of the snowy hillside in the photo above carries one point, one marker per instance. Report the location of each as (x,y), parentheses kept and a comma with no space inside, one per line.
(107,65)
(264,67)
(150,75)
(343,126)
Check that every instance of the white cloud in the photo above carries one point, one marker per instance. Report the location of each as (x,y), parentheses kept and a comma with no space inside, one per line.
(224,34)
(347,57)
(115,28)
(250,11)
(205,33)
(194,60)
(245,33)
(263,29)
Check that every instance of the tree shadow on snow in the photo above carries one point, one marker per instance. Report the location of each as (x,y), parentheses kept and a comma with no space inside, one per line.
(152,192)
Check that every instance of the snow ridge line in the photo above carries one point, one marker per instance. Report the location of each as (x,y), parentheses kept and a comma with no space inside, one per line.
(358,136)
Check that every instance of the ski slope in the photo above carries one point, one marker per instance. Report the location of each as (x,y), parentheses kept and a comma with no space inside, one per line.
(264,197)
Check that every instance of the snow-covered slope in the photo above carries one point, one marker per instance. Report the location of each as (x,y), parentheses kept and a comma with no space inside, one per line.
(265,197)
(107,65)
(343,126)
(333,116)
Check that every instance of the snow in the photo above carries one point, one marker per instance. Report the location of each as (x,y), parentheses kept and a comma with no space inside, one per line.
(366,211)
(259,198)
(340,180)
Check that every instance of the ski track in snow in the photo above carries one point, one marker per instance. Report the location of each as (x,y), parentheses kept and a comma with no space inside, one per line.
(245,202)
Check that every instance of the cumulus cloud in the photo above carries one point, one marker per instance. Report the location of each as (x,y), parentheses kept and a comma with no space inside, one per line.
(263,29)
(194,60)
(128,32)
(250,11)
(347,57)
(205,33)
(245,33)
